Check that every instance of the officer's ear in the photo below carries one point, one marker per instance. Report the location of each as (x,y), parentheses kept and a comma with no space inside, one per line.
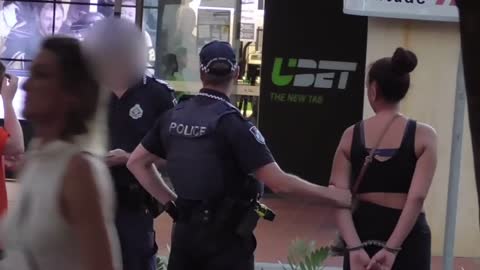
(202,75)
(237,73)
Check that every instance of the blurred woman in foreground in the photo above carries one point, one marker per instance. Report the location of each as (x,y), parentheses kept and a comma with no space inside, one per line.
(64,217)
(388,230)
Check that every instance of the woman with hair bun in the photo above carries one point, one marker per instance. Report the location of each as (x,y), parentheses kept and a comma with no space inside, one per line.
(388,161)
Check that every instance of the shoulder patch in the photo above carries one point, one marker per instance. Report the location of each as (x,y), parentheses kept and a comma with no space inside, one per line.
(136,112)
(257,134)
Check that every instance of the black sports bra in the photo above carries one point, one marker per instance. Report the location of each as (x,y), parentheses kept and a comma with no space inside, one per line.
(390,176)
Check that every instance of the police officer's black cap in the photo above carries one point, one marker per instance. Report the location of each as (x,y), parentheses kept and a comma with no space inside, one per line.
(218,52)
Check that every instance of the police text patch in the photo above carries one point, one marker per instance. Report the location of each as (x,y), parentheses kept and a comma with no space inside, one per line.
(258,136)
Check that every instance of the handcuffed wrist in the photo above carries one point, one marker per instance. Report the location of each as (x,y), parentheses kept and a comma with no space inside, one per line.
(392,250)
(374,243)
(355,248)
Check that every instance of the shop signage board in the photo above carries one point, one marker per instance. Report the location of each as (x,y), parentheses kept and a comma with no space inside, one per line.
(312,82)
(248,20)
(432,10)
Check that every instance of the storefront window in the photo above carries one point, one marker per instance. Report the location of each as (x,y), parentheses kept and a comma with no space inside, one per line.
(24,24)
(175,30)
(180,29)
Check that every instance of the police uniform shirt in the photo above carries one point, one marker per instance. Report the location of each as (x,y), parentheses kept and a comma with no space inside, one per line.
(133,115)
(240,140)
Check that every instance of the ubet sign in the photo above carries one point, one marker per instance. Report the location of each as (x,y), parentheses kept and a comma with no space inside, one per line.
(312,73)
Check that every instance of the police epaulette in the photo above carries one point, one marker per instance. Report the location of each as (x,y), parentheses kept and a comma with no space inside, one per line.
(225,107)
(164,83)
(233,107)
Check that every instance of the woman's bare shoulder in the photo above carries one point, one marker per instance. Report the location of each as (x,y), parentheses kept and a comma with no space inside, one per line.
(79,177)
(84,168)
(347,137)
(348,133)
(425,138)
(425,131)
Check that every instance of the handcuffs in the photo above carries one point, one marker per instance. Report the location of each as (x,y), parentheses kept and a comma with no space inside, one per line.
(375,243)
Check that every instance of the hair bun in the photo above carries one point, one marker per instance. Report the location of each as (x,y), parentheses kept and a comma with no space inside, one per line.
(404,61)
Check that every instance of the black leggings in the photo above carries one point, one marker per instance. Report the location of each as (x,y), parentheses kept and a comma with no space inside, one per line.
(374,222)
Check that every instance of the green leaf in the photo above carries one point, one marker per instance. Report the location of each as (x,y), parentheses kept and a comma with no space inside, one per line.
(314,260)
(309,263)
(303,255)
(302,266)
(291,263)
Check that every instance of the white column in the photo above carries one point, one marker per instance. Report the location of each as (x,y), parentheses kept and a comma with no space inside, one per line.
(455,165)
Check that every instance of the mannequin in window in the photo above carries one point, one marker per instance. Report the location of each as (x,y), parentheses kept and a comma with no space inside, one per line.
(186,39)
(128,12)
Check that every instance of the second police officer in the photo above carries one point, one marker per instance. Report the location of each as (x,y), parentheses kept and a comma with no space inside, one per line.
(211,151)
(136,102)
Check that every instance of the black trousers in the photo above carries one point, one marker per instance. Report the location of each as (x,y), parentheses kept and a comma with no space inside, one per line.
(374,222)
(199,247)
(137,239)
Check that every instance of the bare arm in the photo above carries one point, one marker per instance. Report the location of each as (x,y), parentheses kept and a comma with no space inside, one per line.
(15,144)
(422,180)
(82,209)
(294,187)
(340,178)
(119,157)
(141,164)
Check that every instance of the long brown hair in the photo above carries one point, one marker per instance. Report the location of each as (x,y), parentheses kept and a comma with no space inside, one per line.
(78,81)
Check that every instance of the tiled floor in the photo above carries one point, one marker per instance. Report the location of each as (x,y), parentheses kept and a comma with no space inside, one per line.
(294,220)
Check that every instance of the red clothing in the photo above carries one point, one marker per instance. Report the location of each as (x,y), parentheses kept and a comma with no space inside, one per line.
(3,186)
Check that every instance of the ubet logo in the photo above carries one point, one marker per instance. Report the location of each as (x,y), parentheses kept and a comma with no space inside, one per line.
(444,2)
(313,78)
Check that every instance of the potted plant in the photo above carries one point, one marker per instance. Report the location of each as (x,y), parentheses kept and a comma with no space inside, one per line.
(306,256)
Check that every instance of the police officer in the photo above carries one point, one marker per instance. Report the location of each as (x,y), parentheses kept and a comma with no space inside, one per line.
(136,102)
(211,149)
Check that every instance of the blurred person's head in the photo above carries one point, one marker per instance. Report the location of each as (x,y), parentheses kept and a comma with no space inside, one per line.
(120,52)
(388,80)
(218,66)
(62,93)
(129,10)
(50,18)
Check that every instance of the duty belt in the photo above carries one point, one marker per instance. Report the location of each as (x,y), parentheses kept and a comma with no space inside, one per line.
(228,214)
